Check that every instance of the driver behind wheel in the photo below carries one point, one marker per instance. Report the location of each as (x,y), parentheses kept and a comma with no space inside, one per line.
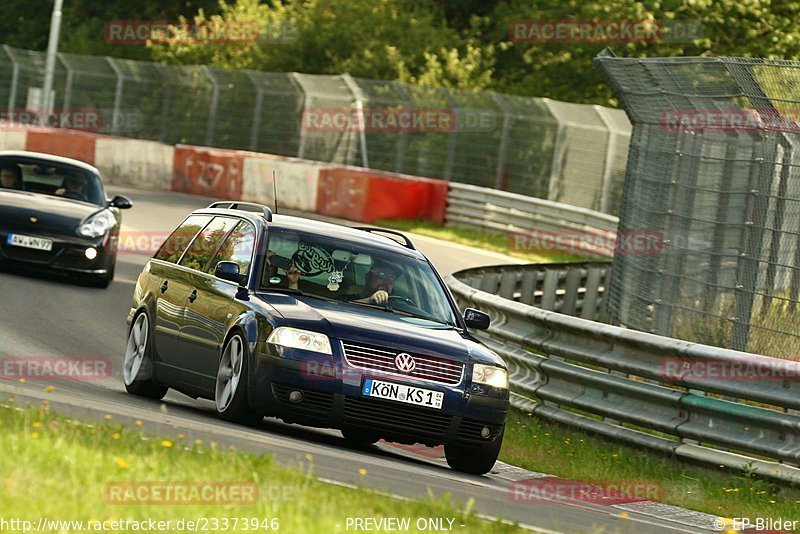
(379,283)
(71,187)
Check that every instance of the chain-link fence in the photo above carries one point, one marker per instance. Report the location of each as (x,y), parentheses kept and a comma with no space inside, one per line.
(713,167)
(538,147)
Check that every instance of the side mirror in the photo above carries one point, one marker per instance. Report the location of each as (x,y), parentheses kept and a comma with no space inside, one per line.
(228,270)
(476,319)
(120,202)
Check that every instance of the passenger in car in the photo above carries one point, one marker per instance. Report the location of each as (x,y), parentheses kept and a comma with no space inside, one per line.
(11,176)
(290,280)
(293,276)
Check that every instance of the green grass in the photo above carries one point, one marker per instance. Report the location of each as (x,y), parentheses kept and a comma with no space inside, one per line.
(494,241)
(58,468)
(547,447)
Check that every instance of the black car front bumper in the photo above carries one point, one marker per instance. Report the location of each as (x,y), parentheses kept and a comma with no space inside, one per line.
(67,255)
(337,402)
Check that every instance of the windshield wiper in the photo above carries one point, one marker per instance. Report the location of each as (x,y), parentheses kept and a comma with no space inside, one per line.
(288,291)
(421,316)
(401,312)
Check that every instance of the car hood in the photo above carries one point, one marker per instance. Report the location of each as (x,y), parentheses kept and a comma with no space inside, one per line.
(53,214)
(360,324)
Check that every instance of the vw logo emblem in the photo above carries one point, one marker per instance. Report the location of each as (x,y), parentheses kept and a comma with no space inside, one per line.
(405,362)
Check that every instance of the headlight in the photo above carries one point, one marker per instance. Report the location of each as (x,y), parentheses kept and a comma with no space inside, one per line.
(300,339)
(97,225)
(490,375)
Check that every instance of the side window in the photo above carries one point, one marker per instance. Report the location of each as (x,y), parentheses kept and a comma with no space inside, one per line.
(176,243)
(238,248)
(206,243)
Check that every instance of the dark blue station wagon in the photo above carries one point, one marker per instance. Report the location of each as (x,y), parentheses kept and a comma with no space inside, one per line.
(316,324)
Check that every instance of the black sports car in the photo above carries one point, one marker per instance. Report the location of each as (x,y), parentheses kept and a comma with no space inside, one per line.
(54,215)
(316,324)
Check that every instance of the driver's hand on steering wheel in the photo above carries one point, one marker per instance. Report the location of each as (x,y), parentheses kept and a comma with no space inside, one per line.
(60,191)
(379,297)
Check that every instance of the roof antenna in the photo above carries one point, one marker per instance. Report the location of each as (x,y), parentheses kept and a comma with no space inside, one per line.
(275,189)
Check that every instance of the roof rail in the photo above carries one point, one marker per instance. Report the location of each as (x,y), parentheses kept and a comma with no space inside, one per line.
(407,242)
(235,205)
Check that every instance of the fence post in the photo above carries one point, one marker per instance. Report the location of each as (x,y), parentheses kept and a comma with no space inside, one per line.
(68,85)
(501,153)
(12,94)
(117,94)
(611,153)
(358,95)
(301,149)
(257,111)
(558,145)
(451,138)
(163,71)
(711,295)
(402,138)
(212,114)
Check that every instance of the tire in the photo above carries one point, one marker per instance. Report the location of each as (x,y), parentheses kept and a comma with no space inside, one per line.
(358,436)
(474,460)
(137,365)
(230,390)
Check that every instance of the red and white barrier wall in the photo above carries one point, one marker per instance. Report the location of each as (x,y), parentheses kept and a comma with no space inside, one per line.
(328,189)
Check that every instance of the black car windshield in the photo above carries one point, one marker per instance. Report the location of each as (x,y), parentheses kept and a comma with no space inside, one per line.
(50,178)
(349,272)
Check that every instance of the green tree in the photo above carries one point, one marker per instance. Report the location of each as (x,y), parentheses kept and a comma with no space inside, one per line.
(380,39)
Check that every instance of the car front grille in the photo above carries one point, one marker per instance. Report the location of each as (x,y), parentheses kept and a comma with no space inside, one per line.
(431,368)
(395,417)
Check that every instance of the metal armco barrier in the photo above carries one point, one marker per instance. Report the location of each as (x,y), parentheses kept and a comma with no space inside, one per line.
(500,211)
(646,390)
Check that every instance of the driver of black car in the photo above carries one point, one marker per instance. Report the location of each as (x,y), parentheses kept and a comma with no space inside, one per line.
(11,176)
(379,283)
(72,188)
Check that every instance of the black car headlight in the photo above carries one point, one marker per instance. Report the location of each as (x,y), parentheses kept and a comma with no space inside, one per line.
(97,225)
(296,338)
(489,375)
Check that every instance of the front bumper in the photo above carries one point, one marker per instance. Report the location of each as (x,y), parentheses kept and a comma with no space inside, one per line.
(332,398)
(67,254)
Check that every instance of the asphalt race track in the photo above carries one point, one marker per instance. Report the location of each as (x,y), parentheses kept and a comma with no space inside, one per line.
(47,316)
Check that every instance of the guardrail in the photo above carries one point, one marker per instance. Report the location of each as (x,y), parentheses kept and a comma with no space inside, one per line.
(500,211)
(644,389)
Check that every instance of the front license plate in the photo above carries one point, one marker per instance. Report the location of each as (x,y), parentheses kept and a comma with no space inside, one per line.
(27,241)
(402,393)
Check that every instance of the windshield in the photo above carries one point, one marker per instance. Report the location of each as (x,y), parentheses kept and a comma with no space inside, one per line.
(65,181)
(347,272)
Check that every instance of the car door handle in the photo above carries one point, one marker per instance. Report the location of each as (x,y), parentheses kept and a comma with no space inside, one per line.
(164,287)
(193,296)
